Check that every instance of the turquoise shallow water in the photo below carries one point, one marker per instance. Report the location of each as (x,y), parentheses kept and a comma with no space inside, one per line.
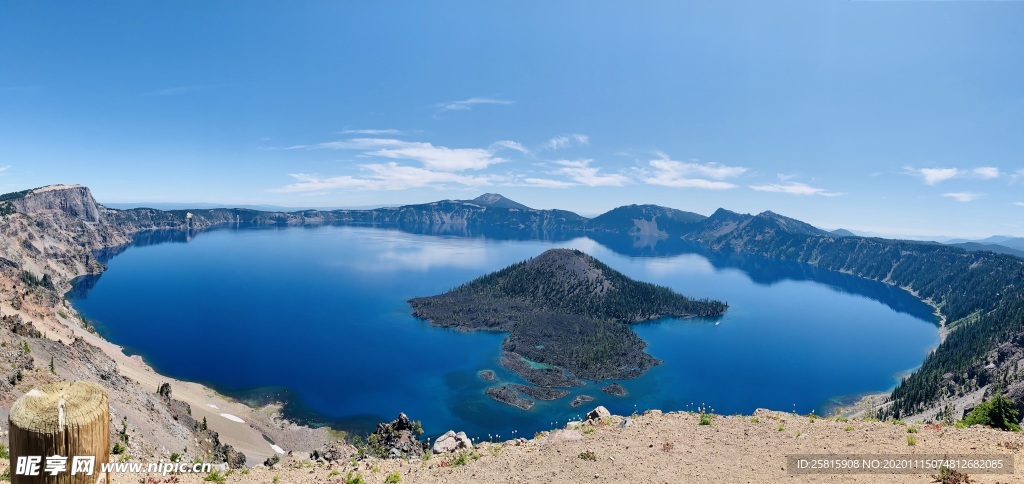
(318,317)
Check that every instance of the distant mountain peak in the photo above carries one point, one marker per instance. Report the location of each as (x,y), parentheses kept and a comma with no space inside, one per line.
(499,201)
(724,212)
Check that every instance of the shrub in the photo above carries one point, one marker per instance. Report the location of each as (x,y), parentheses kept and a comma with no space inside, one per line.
(215,476)
(588,455)
(4,454)
(911,440)
(356,478)
(911,430)
(997,412)
(393,477)
(848,428)
(951,476)
(118,449)
(705,419)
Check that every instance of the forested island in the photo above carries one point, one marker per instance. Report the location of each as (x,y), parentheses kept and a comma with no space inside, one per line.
(567,315)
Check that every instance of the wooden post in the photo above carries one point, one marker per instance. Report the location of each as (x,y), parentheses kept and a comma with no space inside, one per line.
(61,419)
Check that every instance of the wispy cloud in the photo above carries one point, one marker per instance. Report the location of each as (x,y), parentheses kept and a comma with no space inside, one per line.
(794,188)
(508,144)
(373,132)
(383,176)
(546,183)
(1019,204)
(432,157)
(581,172)
(1017,175)
(963,196)
(565,141)
(690,174)
(934,176)
(468,104)
(986,173)
(5,168)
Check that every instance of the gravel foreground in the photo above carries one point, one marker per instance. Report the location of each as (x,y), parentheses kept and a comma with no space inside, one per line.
(660,448)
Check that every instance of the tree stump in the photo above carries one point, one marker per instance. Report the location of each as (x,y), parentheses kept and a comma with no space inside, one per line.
(65,419)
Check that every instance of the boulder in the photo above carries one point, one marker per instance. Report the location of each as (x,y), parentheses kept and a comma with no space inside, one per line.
(598,413)
(560,437)
(451,442)
(334,451)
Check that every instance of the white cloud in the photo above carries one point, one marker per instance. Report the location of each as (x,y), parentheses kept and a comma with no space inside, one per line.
(5,168)
(1020,204)
(581,172)
(565,141)
(546,183)
(373,132)
(794,188)
(440,157)
(934,176)
(508,144)
(383,176)
(986,173)
(963,196)
(432,157)
(670,173)
(433,166)
(467,104)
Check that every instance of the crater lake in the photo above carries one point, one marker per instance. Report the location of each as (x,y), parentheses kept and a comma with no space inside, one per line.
(318,317)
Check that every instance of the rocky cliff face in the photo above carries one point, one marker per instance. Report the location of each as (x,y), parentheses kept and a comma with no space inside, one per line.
(47,240)
(72,200)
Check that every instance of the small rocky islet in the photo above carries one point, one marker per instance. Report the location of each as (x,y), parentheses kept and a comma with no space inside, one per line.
(509,396)
(614,389)
(567,316)
(580,400)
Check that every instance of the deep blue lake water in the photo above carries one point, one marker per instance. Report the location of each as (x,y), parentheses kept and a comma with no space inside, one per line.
(318,316)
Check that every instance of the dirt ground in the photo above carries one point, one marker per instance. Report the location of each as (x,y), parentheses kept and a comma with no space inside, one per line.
(670,448)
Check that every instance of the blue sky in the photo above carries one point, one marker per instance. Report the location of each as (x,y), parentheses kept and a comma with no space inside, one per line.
(899,117)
